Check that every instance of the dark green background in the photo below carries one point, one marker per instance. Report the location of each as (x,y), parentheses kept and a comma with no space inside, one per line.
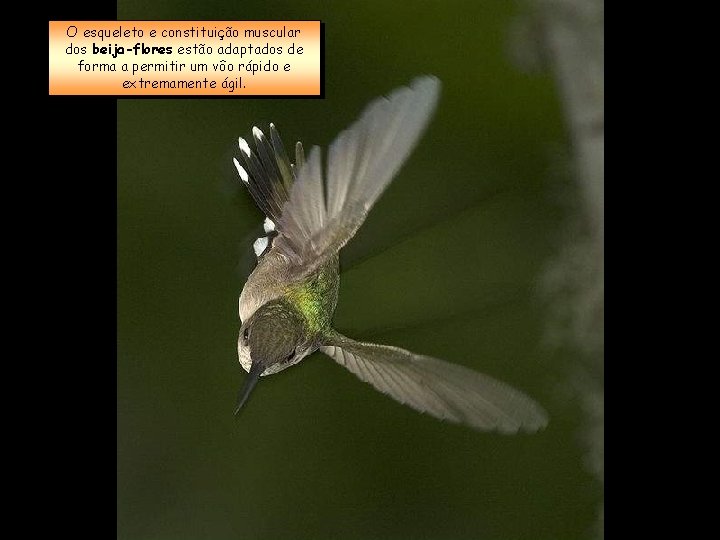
(447,264)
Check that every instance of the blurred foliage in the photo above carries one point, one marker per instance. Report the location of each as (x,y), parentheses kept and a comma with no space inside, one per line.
(447,265)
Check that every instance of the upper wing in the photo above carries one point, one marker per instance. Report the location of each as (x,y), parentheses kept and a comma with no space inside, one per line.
(444,390)
(361,163)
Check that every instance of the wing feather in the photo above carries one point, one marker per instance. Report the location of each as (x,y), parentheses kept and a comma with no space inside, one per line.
(444,390)
(361,163)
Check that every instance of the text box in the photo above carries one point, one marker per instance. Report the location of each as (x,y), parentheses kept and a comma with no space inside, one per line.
(181,58)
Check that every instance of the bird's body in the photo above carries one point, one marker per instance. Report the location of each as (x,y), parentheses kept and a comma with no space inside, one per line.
(314,296)
(287,304)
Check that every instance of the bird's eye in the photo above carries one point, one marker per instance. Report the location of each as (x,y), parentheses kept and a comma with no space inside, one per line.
(291,355)
(246,333)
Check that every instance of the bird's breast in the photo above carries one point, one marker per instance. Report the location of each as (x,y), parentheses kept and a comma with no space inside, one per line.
(315,295)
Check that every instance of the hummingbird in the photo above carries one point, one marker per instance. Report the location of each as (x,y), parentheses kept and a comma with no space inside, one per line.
(287,304)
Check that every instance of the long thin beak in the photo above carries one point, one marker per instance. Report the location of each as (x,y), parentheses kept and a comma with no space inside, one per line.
(250,381)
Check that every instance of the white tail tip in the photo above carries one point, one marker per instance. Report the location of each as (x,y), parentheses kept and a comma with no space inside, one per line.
(241,171)
(242,143)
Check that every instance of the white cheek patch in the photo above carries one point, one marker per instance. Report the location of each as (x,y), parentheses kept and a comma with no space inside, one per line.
(275,368)
(246,361)
(244,357)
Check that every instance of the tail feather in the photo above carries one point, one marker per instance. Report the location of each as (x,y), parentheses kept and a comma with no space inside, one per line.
(362,161)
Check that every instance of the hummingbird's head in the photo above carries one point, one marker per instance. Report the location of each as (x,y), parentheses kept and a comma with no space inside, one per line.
(274,338)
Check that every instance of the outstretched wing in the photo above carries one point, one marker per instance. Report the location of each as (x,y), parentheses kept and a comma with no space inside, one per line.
(444,390)
(361,163)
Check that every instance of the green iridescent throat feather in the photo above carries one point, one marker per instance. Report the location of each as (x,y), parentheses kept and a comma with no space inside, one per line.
(317,297)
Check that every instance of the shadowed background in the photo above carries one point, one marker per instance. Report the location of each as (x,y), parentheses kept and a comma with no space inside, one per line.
(448,264)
